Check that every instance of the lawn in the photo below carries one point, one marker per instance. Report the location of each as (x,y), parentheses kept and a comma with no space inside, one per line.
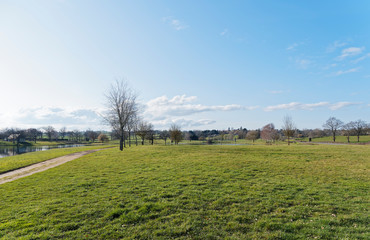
(341,139)
(195,192)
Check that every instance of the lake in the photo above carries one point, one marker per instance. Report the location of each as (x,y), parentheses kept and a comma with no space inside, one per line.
(6,151)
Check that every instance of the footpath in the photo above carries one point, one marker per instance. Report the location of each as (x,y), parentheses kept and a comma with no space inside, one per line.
(42,166)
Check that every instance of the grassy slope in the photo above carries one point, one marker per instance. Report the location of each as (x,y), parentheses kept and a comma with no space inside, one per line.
(199,192)
(22,160)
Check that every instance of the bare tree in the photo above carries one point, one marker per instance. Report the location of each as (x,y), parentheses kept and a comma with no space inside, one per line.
(50,132)
(150,133)
(347,130)
(63,132)
(121,106)
(164,135)
(175,133)
(252,135)
(288,128)
(142,130)
(333,125)
(359,127)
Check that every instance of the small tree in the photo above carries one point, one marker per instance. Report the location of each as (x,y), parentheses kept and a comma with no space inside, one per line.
(103,138)
(50,132)
(252,135)
(267,132)
(164,135)
(288,128)
(333,125)
(347,130)
(142,131)
(175,133)
(359,127)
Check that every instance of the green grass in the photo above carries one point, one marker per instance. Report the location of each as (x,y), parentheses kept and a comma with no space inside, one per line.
(22,160)
(195,192)
(341,139)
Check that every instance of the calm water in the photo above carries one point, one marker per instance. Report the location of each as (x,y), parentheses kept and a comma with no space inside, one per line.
(6,151)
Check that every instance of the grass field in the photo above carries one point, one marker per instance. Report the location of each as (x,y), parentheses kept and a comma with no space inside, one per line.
(195,192)
(22,160)
(341,139)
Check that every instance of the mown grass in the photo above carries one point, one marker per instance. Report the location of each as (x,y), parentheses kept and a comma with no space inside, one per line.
(22,160)
(195,192)
(340,139)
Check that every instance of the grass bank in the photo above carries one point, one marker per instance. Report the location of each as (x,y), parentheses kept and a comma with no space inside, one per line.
(23,160)
(195,192)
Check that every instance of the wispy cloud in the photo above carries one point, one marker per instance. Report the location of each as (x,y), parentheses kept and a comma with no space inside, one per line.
(361,58)
(341,72)
(340,105)
(350,52)
(303,63)
(308,106)
(294,46)
(175,23)
(334,46)
(224,32)
(183,105)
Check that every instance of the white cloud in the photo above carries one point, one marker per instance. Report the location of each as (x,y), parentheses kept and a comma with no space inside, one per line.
(340,105)
(186,123)
(340,72)
(175,23)
(79,118)
(182,105)
(350,52)
(308,106)
(361,58)
(337,44)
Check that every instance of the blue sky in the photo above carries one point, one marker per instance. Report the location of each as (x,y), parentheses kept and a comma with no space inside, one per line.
(200,64)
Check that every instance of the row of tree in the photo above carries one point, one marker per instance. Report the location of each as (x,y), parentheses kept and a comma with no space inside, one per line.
(17,135)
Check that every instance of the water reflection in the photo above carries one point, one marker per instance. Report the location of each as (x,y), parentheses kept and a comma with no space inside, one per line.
(6,151)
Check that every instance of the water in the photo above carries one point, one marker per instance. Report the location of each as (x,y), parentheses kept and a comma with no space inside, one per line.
(6,151)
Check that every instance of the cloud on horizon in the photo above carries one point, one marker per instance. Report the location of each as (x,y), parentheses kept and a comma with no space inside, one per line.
(309,106)
(79,118)
(181,105)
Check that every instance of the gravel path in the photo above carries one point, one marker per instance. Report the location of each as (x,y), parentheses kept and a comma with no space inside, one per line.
(42,166)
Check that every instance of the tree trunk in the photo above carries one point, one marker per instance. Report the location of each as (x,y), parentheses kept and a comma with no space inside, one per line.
(121,143)
(288,141)
(129,138)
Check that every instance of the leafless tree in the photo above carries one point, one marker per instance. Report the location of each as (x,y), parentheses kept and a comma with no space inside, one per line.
(63,132)
(142,131)
(91,135)
(150,133)
(50,132)
(333,125)
(175,133)
(359,127)
(164,135)
(347,130)
(252,135)
(121,107)
(288,128)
